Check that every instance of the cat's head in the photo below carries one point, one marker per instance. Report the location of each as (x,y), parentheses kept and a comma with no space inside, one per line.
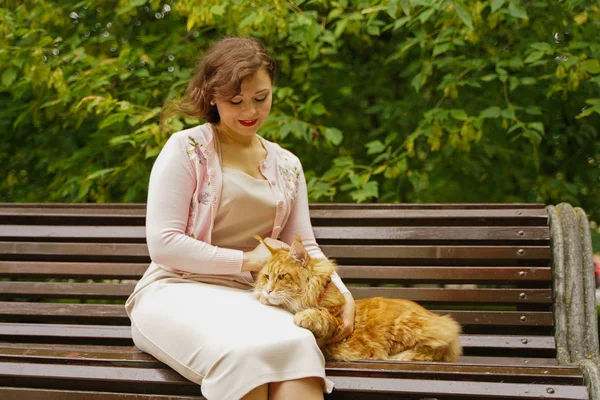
(291,278)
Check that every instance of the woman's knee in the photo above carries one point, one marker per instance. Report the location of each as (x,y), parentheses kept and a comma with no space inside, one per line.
(310,388)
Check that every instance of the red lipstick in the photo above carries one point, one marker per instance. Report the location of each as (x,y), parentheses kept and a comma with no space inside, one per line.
(248,123)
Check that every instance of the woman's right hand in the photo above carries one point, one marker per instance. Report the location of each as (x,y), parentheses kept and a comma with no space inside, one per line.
(256,258)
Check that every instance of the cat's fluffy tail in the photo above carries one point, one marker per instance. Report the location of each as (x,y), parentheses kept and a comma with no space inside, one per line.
(446,334)
(439,341)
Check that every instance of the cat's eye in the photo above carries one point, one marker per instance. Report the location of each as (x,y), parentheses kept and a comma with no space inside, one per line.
(280,277)
(266,276)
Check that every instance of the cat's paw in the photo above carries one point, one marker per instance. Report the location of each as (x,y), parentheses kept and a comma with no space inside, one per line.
(311,320)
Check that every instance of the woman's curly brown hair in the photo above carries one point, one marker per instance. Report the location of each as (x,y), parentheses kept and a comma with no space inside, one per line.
(219,74)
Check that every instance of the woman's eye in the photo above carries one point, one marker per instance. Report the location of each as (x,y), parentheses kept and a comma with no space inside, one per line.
(235,103)
(263,99)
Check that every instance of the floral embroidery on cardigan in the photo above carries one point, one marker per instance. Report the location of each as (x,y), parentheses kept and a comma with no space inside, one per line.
(191,217)
(290,175)
(196,151)
(204,198)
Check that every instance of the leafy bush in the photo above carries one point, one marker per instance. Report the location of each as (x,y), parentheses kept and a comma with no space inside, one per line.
(391,100)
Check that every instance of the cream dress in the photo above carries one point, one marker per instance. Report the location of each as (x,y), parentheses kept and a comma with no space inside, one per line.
(210,328)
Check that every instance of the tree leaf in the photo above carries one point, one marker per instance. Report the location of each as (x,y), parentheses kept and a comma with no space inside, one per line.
(492,112)
(333,135)
(533,57)
(517,11)
(591,66)
(285,130)
(373,30)
(375,147)
(464,13)
(424,16)
(368,191)
(317,109)
(538,126)
(442,48)
(528,81)
(496,4)
(8,76)
(542,46)
(459,114)
(218,10)
(392,8)
(508,113)
(405,6)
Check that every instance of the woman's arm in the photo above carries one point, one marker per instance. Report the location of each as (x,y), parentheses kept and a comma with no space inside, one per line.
(299,224)
(170,191)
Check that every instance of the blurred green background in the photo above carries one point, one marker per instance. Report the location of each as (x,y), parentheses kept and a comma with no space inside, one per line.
(383,101)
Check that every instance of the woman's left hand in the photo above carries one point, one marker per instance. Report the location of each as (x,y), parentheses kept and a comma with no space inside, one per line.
(348,318)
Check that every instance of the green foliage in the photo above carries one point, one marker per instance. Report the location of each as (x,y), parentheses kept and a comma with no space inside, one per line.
(383,100)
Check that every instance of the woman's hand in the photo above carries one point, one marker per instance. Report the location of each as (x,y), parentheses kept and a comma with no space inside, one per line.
(256,258)
(348,318)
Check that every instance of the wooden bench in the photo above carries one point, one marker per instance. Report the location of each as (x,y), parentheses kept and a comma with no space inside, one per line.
(518,277)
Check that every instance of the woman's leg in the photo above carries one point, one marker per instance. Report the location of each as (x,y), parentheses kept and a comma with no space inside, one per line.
(299,389)
(259,393)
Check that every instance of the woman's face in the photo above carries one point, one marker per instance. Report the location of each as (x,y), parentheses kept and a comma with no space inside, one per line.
(245,113)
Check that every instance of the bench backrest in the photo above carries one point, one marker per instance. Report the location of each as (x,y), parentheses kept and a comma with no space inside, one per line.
(487,265)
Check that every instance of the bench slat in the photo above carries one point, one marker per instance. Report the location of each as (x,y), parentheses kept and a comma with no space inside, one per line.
(11,393)
(482,215)
(132,357)
(443,274)
(123,290)
(489,390)
(44,269)
(108,376)
(99,332)
(358,252)
(450,274)
(85,312)
(412,233)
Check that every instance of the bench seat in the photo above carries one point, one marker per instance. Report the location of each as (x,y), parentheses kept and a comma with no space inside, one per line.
(499,269)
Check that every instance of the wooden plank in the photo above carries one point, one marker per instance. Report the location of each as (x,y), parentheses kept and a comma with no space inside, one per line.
(109,375)
(13,393)
(440,252)
(99,332)
(432,233)
(42,269)
(350,273)
(453,296)
(106,377)
(84,312)
(443,274)
(59,232)
(141,207)
(66,290)
(424,206)
(123,290)
(491,390)
(408,214)
(87,250)
(413,233)
(74,249)
(131,357)
(66,331)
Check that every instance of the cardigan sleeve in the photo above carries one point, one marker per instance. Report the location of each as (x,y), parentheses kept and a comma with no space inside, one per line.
(299,224)
(170,192)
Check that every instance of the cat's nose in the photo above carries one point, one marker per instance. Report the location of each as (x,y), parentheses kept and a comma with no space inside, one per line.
(269,291)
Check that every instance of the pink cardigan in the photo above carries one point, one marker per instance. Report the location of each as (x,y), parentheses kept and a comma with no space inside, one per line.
(184,195)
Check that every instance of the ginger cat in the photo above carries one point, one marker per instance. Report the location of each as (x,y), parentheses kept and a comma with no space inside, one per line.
(390,329)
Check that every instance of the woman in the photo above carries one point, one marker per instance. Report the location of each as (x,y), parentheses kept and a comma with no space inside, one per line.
(211,189)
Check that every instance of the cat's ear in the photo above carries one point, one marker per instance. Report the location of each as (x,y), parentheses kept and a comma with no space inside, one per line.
(299,253)
(271,250)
